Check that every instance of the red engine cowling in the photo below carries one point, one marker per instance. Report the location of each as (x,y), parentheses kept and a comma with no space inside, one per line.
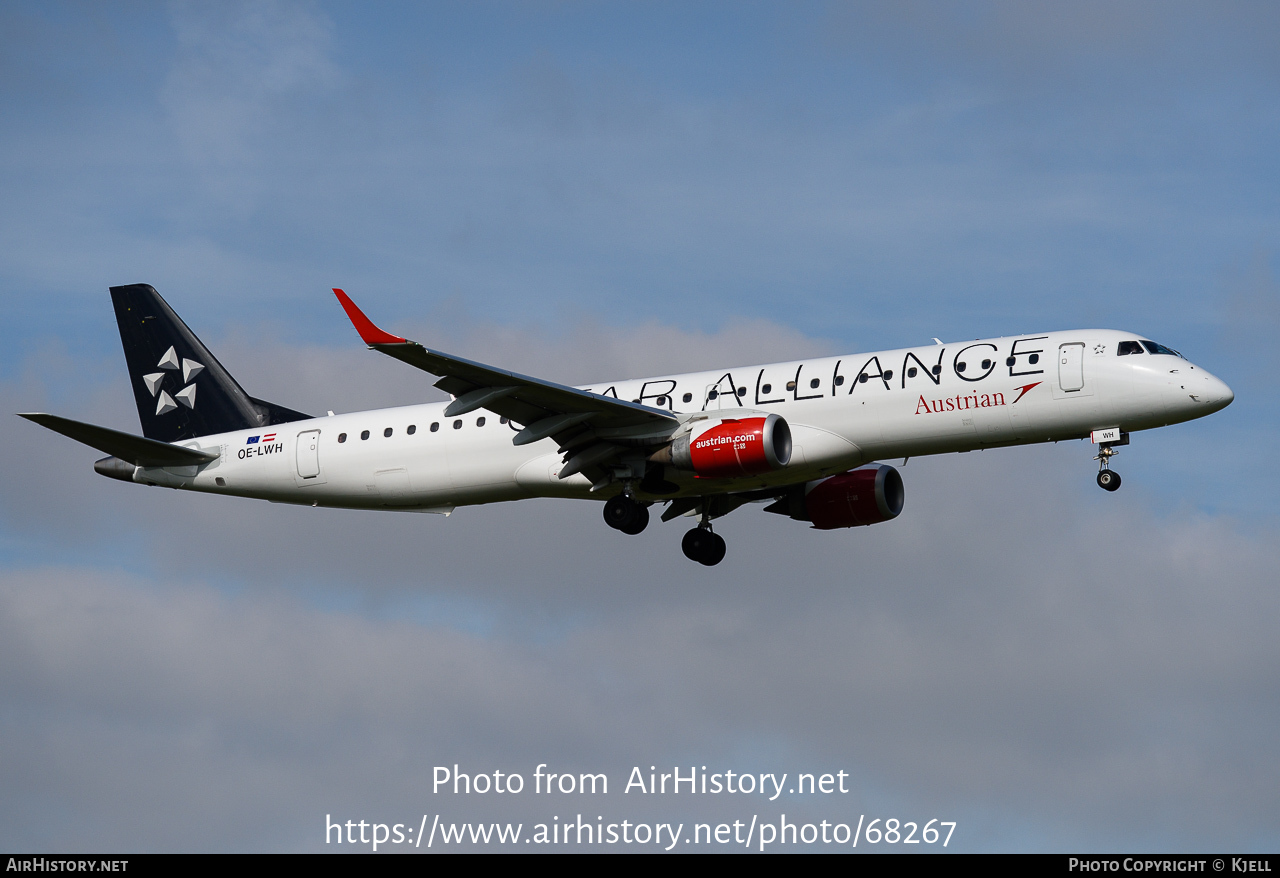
(735,447)
(862,496)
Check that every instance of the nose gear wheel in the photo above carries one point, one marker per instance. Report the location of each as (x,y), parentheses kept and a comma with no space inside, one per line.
(1108,479)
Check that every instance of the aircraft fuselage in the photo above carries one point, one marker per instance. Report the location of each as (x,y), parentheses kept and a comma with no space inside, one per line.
(842,411)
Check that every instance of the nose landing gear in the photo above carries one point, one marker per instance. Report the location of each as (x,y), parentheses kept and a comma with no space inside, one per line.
(1108,480)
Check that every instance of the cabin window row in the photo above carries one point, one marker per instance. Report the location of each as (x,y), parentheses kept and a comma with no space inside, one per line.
(388,432)
(815,383)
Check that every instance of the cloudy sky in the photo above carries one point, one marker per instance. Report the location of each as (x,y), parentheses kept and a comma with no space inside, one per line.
(593,191)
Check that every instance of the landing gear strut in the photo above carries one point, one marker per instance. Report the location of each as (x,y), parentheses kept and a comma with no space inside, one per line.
(1108,480)
(625,514)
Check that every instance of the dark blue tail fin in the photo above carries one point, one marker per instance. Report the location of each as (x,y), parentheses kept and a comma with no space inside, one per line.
(181,389)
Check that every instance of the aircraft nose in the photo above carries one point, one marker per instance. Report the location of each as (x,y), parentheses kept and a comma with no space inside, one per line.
(1222,394)
(1214,392)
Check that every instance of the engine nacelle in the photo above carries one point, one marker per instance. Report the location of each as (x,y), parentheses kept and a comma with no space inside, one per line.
(732,447)
(862,496)
(859,497)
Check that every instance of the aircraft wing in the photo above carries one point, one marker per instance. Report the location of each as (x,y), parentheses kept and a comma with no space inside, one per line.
(591,429)
(137,450)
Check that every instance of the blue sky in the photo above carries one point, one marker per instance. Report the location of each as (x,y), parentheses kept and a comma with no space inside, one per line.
(586,191)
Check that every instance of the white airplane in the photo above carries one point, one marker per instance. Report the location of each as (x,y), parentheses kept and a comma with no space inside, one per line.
(801,436)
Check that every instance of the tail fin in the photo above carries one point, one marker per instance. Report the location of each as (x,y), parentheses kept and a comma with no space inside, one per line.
(181,389)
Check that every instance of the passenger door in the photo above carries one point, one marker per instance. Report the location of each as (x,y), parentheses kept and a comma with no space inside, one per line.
(1071,366)
(308,454)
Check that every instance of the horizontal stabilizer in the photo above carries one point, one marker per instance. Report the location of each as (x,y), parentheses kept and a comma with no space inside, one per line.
(126,446)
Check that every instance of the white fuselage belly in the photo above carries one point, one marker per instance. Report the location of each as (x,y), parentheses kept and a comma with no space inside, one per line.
(838,421)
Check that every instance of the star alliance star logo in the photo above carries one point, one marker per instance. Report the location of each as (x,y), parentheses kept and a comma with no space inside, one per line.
(186,396)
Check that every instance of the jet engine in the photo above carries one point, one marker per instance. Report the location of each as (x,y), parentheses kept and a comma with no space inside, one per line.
(731,447)
(867,495)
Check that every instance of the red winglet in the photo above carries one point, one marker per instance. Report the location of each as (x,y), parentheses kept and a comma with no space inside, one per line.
(370,333)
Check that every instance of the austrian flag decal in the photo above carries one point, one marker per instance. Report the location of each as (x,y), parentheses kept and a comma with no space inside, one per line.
(260,446)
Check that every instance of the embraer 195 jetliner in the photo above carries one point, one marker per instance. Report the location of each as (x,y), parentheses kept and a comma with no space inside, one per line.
(800,436)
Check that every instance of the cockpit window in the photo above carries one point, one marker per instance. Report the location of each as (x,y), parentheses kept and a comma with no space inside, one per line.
(1128,347)
(1153,348)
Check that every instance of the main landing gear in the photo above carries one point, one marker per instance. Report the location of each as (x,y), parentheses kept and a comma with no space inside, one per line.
(625,514)
(1108,480)
(703,546)
(630,516)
